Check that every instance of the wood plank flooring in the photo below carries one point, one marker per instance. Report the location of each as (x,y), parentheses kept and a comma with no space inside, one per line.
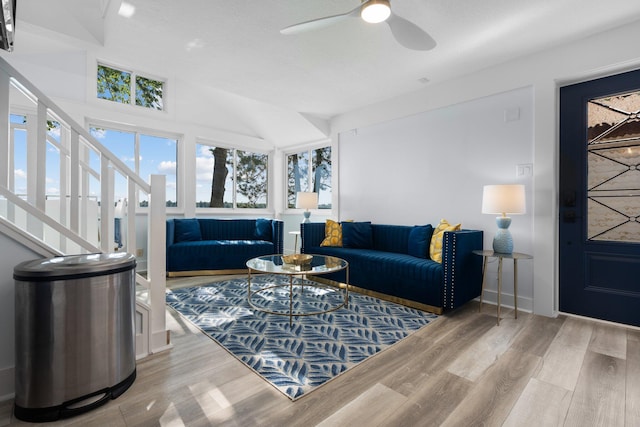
(462,370)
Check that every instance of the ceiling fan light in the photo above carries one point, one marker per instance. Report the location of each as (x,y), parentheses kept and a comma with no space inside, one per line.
(376,11)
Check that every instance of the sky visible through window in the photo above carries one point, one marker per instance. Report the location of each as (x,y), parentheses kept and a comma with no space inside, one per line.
(20,156)
(157,156)
(52,163)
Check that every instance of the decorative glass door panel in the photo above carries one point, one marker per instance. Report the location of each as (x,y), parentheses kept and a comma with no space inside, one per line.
(613,177)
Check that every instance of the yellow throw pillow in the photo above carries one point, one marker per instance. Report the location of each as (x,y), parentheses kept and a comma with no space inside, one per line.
(333,234)
(435,248)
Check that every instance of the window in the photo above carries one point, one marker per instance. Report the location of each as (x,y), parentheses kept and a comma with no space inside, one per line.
(146,155)
(53,158)
(18,182)
(117,85)
(310,170)
(19,161)
(230,178)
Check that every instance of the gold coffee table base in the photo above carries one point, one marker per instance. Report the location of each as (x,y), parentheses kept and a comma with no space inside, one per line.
(272,264)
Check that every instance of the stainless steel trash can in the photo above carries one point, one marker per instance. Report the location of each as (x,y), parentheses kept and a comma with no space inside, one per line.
(75,333)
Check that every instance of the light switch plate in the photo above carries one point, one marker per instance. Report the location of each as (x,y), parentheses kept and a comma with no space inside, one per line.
(524,170)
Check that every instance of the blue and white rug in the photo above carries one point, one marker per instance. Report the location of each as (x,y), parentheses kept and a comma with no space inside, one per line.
(298,358)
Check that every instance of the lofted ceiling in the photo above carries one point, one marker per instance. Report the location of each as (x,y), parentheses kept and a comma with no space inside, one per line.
(235,47)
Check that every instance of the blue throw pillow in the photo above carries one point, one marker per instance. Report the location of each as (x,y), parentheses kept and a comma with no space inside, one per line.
(263,229)
(187,230)
(419,240)
(357,235)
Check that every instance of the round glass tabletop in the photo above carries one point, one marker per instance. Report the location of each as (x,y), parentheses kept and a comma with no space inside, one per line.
(319,264)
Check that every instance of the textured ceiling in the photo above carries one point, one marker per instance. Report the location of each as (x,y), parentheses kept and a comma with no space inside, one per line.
(235,46)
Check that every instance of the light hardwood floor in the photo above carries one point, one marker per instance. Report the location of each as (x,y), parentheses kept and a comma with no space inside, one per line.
(462,370)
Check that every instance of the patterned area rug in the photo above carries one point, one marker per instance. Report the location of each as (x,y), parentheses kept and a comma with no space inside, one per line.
(295,359)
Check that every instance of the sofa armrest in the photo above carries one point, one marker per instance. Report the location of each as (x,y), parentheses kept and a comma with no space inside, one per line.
(277,233)
(462,268)
(312,234)
(171,229)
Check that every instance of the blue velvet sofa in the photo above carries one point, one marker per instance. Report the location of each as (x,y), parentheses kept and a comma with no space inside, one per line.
(392,265)
(199,246)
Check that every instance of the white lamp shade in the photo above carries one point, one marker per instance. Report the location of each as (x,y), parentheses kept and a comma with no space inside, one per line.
(306,200)
(503,199)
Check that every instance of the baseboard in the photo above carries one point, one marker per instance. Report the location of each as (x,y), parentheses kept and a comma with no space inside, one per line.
(7,383)
(142,356)
(604,322)
(491,297)
(160,341)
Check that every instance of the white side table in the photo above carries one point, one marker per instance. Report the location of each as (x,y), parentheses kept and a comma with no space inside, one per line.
(295,244)
(515,256)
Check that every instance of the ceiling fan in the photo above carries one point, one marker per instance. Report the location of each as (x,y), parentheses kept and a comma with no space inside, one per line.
(405,32)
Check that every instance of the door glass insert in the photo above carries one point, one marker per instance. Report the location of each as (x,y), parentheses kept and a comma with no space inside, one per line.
(613,177)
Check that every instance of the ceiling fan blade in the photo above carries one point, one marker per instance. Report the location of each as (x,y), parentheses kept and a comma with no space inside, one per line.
(315,24)
(409,34)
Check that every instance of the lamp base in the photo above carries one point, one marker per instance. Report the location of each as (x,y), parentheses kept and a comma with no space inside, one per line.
(306,214)
(502,241)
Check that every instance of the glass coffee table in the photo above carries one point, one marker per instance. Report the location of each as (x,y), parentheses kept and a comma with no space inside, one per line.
(269,298)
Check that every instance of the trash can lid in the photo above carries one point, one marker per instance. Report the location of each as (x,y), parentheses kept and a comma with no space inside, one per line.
(73,266)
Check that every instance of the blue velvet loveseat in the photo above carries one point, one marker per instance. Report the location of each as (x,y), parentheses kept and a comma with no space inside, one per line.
(197,246)
(391,264)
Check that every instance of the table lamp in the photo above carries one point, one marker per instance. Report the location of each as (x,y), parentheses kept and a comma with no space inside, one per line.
(306,200)
(503,200)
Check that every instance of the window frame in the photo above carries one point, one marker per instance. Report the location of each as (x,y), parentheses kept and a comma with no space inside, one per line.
(132,86)
(137,131)
(13,127)
(235,210)
(309,148)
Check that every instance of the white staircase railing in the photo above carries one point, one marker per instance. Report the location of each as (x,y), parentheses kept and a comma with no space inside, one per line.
(80,218)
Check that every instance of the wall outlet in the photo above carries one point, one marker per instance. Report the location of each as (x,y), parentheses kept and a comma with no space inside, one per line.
(139,252)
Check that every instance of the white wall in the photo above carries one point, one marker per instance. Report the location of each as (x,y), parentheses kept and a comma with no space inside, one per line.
(592,57)
(433,165)
(13,254)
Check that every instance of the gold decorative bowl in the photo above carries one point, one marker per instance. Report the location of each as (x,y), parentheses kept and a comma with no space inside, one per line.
(297,259)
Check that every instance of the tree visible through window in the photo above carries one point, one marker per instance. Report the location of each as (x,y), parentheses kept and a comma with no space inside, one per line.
(149,93)
(228,178)
(118,85)
(251,179)
(310,170)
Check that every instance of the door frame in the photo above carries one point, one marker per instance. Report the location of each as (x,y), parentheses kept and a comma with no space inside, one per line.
(613,82)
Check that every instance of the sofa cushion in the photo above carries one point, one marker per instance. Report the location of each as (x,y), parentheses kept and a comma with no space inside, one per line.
(187,230)
(227,229)
(333,234)
(263,229)
(357,235)
(215,254)
(419,240)
(435,249)
(391,238)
